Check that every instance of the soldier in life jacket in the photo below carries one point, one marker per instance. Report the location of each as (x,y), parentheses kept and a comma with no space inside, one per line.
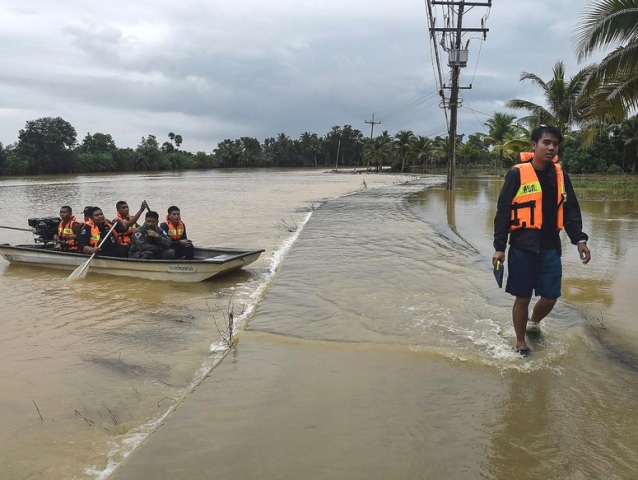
(96,229)
(68,230)
(125,218)
(150,241)
(536,202)
(176,231)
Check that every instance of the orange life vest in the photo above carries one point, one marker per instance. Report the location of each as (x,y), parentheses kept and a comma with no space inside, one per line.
(124,238)
(64,231)
(175,232)
(94,241)
(527,204)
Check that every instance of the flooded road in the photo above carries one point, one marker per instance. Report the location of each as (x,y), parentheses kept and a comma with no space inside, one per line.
(373,342)
(383,349)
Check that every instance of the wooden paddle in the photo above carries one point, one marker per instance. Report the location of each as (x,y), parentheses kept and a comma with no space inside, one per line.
(83,269)
(16,228)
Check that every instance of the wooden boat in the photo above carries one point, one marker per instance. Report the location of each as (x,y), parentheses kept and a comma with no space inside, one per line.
(208,262)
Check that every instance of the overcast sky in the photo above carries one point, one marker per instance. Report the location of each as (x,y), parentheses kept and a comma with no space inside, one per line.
(215,69)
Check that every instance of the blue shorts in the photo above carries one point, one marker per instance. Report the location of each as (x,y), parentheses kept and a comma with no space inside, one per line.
(530,271)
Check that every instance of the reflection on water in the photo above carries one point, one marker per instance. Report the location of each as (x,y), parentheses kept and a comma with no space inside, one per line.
(603,289)
(382,349)
(86,366)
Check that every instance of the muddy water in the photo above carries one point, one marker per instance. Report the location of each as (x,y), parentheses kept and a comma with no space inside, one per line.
(383,349)
(89,368)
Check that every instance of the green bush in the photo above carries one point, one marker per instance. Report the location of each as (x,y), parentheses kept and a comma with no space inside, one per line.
(615,170)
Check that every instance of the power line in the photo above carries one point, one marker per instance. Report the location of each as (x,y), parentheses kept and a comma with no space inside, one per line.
(435,132)
(396,111)
(433,46)
(474,112)
(491,115)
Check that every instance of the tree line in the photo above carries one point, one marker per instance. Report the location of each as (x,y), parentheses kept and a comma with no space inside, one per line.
(593,109)
(48,146)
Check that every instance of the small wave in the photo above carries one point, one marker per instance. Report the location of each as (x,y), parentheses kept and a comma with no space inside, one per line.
(122,449)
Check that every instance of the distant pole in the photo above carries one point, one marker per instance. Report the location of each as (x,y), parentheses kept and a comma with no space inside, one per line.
(372,124)
(337,162)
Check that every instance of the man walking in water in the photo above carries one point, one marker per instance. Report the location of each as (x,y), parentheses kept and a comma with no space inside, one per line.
(536,202)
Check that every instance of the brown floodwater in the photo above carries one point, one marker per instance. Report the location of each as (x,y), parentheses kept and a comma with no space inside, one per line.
(88,369)
(373,341)
(383,349)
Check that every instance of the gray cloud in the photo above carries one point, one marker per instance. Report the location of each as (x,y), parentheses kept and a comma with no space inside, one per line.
(215,70)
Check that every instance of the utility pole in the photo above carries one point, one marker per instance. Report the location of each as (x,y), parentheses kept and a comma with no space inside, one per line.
(455,63)
(372,124)
(457,59)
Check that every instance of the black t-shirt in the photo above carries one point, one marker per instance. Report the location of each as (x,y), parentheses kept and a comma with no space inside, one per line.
(550,239)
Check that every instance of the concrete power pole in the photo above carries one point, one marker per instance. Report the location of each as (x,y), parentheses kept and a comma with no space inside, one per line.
(457,58)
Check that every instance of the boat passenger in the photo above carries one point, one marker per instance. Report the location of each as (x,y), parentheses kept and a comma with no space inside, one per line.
(176,231)
(124,216)
(94,230)
(150,241)
(87,213)
(68,230)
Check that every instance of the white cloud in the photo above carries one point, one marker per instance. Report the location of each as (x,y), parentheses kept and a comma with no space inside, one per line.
(218,69)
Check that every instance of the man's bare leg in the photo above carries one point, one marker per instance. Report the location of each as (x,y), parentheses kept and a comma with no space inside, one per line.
(520,311)
(542,308)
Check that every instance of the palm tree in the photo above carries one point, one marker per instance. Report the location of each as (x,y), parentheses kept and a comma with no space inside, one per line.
(309,144)
(377,149)
(511,146)
(565,102)
(499,126)
(607,23)
(441,148)
(403,139)
(422,148)
(228,153)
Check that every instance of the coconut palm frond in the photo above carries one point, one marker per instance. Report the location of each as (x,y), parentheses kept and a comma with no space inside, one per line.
(605,24)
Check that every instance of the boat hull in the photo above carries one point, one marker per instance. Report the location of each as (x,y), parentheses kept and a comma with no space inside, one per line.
(208,262)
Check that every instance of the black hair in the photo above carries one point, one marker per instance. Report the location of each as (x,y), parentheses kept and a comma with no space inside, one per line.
(120,203)
(87,211)
(91,211)
(172,209)
(66,207)
(539,131)
(152,214)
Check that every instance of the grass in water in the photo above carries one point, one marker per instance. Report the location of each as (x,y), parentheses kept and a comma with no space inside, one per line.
(604,182)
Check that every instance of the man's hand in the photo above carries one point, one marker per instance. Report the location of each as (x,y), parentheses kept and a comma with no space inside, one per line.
(498,257)
(152,234)
(186,243)
(584,253)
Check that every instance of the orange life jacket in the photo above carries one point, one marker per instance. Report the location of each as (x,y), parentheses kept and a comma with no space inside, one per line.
(94,241)
(527,204)
(124,238)
(64,231)
(175,232)
(528,156)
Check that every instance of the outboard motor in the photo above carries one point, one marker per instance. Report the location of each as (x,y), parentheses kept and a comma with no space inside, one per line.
(45,229)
